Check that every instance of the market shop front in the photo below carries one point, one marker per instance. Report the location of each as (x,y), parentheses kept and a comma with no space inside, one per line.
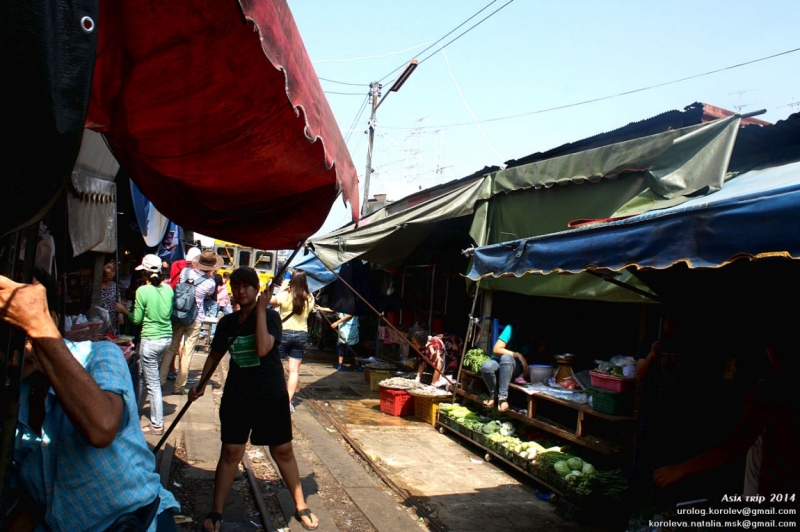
(723,266)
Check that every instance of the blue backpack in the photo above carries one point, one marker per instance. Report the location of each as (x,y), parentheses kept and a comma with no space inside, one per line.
(184,305)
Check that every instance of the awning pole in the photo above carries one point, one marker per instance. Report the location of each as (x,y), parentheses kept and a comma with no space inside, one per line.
(467,338)
(626,286)
(381,316)
(472,321)
(204,381)
(14,344)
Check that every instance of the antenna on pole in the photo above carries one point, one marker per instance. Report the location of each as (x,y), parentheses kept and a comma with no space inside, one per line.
(741,105)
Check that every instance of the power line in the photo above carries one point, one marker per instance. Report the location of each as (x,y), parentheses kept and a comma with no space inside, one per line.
(468,30)
(357,118)
(345,93)
(625,93)
(345,83)
(374,56)
(442,38)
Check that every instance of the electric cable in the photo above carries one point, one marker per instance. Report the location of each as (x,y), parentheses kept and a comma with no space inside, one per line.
(602,98)
(445,36)
(344,93)
(468,30)
(345,83)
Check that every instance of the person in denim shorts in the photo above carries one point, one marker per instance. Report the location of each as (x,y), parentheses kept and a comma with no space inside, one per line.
(294,303)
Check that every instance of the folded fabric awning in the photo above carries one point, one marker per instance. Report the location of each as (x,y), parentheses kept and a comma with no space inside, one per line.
(754,216)
(216,112)
(317,275)
(387,237)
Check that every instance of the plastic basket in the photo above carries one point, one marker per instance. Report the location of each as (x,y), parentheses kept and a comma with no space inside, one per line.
(611,383)
(396,402)
(447,421)
(604,401)
(519,461)
(376,376)
(426,408)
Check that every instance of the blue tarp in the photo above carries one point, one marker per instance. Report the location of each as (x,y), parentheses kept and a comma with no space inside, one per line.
(317,274)
(754,215)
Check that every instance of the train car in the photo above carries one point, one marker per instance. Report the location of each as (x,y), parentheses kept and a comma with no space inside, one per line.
(265,262)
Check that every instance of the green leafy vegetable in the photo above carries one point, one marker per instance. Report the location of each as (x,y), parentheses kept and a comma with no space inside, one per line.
(575,463)
(562,468)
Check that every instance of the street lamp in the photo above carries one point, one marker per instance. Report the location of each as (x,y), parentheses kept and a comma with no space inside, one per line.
(375,88)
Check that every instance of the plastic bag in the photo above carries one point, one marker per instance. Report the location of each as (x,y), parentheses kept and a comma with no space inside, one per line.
(622,361)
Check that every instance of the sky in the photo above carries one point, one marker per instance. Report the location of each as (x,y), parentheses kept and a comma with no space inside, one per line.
(450,118)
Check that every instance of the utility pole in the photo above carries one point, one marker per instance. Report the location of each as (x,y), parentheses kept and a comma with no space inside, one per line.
(375,93)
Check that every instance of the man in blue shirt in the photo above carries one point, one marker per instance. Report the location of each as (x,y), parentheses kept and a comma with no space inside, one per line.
(80,450)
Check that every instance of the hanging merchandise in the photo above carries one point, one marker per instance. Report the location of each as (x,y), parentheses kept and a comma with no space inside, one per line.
(45,250)
(171,248)
(92,214)
(153,225)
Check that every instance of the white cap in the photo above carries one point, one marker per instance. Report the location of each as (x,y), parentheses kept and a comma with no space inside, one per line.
(192,254)
(150,263)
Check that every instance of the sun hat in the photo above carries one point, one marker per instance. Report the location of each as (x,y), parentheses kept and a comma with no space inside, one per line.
(207,261)
(192,254)
(150,263)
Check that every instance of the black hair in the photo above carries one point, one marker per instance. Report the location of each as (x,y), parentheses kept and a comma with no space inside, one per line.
(419,336)
(155,278)
(245,275)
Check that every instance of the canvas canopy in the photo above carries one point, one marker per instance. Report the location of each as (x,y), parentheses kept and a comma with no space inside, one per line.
(544,197)
(385,238)
(215,110)
(754,216)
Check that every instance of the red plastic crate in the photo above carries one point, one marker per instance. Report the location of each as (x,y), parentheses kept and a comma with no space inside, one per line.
(611,383)
(396,402)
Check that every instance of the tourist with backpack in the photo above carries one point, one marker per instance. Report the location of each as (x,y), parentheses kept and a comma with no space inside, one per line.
(195,285)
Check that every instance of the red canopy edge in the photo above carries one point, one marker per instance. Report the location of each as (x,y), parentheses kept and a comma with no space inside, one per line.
(286,52)
(192,109)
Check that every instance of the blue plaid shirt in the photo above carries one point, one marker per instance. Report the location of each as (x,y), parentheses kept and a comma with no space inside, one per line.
(83,487)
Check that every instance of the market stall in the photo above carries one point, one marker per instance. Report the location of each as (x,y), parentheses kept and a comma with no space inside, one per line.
(724,264)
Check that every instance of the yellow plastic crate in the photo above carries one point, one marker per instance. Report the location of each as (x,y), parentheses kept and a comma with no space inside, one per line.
(425,407)
(376,376)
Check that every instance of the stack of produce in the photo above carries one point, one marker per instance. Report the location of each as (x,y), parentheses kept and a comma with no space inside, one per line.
(580,477)
(400,383)
(474,359)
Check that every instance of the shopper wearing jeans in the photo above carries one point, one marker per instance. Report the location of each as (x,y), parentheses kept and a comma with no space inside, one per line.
(506,364)
(294,303)
(152,309)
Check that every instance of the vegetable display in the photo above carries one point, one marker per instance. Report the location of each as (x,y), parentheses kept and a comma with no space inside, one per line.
(474,359)
(578,476)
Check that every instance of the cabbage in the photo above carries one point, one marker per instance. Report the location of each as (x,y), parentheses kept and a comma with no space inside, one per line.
(507,429)
(572,476)
(575,463)
(588,468)
(562,468)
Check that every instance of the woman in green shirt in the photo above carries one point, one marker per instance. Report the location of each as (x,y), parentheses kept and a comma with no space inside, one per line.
(152,309)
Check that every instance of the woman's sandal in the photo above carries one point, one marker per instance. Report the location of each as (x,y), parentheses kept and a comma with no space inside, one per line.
(489,403)
(215,518)
(306,512)
(503,406)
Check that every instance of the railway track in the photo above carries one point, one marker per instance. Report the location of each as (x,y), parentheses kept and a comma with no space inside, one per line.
(264,501)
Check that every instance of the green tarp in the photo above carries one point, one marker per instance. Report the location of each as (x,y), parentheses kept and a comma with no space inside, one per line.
(543,197)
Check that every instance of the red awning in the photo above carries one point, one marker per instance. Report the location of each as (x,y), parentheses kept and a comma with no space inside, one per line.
(227,134)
